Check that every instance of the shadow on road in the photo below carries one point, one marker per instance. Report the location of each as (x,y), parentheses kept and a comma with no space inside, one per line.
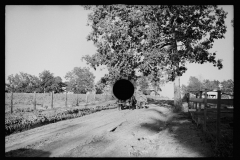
(181,128)
(22,152)
(159,112)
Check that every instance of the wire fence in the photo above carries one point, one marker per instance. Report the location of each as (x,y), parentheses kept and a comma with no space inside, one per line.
(50,100)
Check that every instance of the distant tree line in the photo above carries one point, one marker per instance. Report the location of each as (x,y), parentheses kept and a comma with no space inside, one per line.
(79,80)
(195,85)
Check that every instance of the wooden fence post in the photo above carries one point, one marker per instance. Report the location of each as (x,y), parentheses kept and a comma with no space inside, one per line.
(66,100)
(195,103)
(52,100)
(199,109)
(77,100)
(205,112)
(11,102)
(86,97)
(200,104)
(218,116)
(187,96)
(34,101)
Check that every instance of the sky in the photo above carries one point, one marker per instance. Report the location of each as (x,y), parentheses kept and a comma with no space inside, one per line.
(53,38)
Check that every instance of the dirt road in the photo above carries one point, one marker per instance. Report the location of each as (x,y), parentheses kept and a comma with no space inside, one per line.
(152,132)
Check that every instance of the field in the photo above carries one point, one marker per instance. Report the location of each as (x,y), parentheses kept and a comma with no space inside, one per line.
(24,117)
(25,100)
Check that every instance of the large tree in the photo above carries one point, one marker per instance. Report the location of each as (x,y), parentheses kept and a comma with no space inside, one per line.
(211,85)
(154,38)
(12,84)
(47,80)
(228,87)
(22,82)
(101,84)
(58,85)
(80,80)
(195,85)
(27,83)
(35,84)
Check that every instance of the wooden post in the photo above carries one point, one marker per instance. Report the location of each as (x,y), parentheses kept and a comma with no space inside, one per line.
(195,104)
(66,100)
(205,112)
(11,102)
(199,108)
(218,116)
(52,100)
(34,101)
(43,97)
(87,97)
(187,96)
(200,104)
(77,100)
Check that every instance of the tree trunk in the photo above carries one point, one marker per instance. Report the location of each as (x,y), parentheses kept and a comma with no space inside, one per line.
(177,93)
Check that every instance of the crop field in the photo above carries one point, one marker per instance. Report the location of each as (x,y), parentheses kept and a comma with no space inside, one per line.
(43,101)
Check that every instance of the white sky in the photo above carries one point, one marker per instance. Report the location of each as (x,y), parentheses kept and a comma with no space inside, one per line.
(54,38)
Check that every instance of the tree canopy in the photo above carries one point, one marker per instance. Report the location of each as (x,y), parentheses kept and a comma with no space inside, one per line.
(80,80)
(27,83)
(153,38)
(22,82)
(47,80)
(101,84)
(195,85)
(228,86)
(143,83)
(125,33)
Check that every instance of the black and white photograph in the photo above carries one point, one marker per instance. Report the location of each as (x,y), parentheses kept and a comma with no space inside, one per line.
(119,80)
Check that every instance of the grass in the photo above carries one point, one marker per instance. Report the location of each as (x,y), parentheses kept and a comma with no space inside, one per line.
(21,121)
(25,100)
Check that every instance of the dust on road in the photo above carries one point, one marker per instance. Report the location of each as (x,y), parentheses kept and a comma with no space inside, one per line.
(152,132)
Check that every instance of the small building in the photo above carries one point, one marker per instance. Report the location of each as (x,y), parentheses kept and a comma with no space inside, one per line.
(212,95)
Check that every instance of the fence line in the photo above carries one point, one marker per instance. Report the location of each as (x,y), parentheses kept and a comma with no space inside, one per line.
(214,91)
(35,100)
(197,109)
(228,94)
